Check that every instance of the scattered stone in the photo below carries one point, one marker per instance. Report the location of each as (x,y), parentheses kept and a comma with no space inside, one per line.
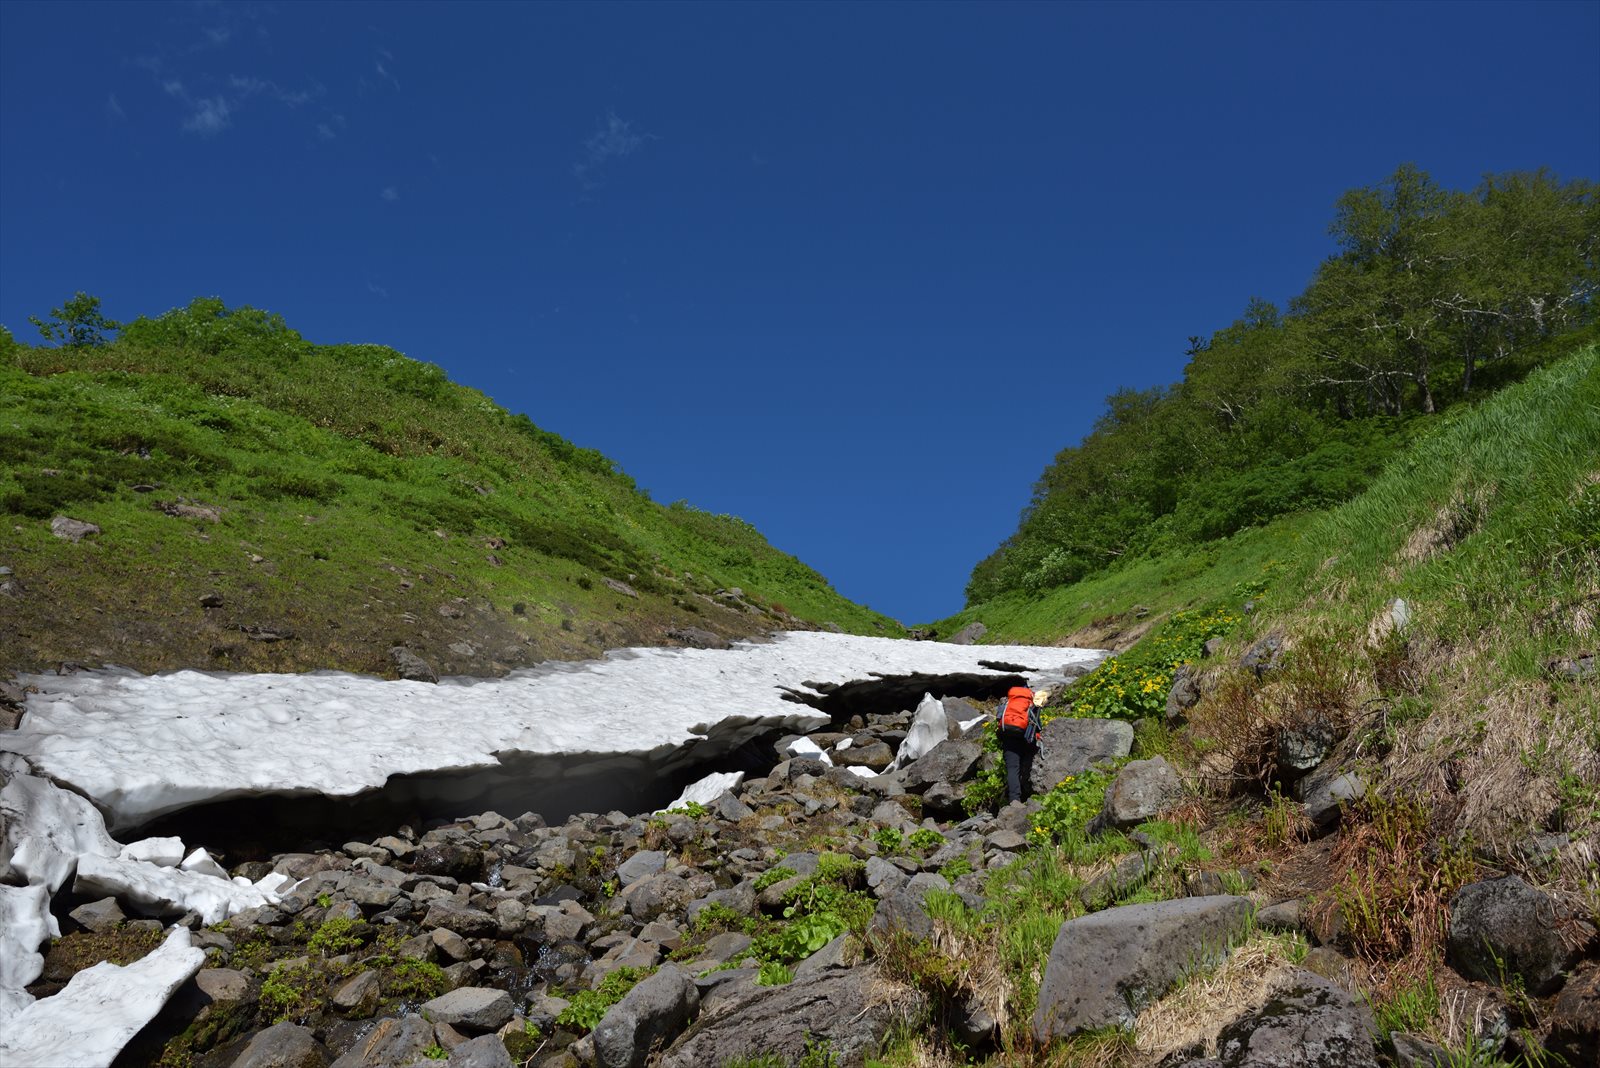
(620,587)
(447,912)
(1414,1051)
(1500,928)
(1307,1022)
(697,638)
(641,865)
(1136,953)
(1301,748)
(358,996)
(947,762)
(1121,879)
(1266,655)
(1328,792)
(904,909)
(72,529)
(876,756)
(411,666)
(1581,666)
(1184,695)
(179,510)
(211,600)
(1283,917)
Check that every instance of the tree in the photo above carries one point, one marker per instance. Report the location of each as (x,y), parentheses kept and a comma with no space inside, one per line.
(77,324)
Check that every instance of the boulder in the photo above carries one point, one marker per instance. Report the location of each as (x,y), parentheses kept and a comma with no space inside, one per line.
(833,1009)
(1307,1022)
(1122,878)
(283,1045)
(1415,1051)
(101,917)
(471,1008)
(1073,746)
(1302,747)
(947,762)
(451,914)
(1106,967)
(1327,793)
(1500,928)
(1141,791)
(875,756)
(1264,656)
(648,1017)
(359,996)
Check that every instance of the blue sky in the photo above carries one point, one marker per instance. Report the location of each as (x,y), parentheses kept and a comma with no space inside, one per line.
(852,272)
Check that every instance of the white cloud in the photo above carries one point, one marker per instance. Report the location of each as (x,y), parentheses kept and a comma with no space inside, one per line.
(210,117)
(173,87)
(377,290)
(114,106)
(615,139)
(325,132)
(259,86)
(390,193)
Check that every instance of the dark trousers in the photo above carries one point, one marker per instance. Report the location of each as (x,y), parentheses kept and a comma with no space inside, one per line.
(1019,765)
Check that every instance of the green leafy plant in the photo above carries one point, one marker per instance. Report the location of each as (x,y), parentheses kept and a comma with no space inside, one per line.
(436,1052)
(774,875)
(889,839)
(587,1008)
(339,935)
(290,992)
(774,973)
(925,839)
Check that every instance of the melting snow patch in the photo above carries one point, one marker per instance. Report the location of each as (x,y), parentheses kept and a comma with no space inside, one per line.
(143,746)
(707,789)
(99,1010)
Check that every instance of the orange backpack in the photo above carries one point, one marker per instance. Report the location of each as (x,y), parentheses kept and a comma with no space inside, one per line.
(1019,707)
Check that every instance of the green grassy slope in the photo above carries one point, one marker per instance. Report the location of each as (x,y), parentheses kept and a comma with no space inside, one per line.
(360,500)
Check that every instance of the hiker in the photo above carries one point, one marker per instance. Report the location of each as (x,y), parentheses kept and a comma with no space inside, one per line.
(1017,720)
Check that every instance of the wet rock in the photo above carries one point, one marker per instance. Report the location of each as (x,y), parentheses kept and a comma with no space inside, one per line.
(1307,1022)
(1142,790)
(832,1009)
(394,1041)
(409,665)
(1500,928)
(283,1045)
(1135,954)
(68,529)
(471,1008)
(651,1014)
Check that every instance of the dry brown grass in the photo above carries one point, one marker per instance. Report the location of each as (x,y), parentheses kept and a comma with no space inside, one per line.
(1191,1016)
(1449,526)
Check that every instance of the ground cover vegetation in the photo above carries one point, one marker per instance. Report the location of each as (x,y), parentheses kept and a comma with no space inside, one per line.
(335,500)
(1435,299)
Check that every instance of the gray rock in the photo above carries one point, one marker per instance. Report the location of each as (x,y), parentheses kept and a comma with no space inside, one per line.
(1307,1022)
(968,634)
(698,638)
(485,1051)
(1122,878)
(641,865)
(283,1045)
(392,1042)
(359,996)
(661,895)
(72,529)
(1142,790)
(1184,695)
(833,1009)
(1284,916)
(1105,967)
(947,762)
(451,914)
(741,898)
(1582,666)
(1575,1020)
(221,984)
(1264,656)
(649,1016)
(1414,1051)
(409,665)
(1073,746)
(945,800)
(1500,928)
(884,878)
(730,808)
(904,910)
(99,916)
(839,953)
(471,1008)
(1302,747)
(1328,792)
(876,756)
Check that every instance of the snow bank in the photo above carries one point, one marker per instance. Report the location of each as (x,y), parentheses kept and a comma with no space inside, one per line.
(143,746)
(100,1009)
(707,789)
